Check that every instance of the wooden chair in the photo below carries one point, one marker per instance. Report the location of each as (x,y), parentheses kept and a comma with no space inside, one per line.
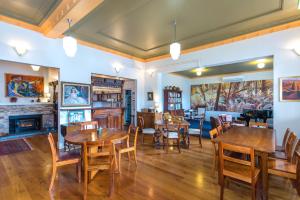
(89,125)
(121,150)
(95,160)
(146,131)
(287,154)
(284,141)
(214,134)
(287,169)
(196,131)
(220,130)
(258,125)
(62,159)
(171,132)
(238,169)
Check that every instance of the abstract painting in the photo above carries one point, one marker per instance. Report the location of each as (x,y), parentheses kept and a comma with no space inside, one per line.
(76,94)
(233,96)
(290,89)
(24,85)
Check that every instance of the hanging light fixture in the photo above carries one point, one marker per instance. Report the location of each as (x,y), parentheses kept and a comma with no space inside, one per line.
(70,43)
(35,68)
(175,47)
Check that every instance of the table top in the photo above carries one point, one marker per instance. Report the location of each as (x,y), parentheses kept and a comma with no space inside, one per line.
(163,122)
(107,135)
(260,139)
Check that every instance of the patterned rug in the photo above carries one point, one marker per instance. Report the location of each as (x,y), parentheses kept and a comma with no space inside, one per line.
(14,146)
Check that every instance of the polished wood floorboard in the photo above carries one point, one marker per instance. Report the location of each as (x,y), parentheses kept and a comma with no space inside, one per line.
(26,176)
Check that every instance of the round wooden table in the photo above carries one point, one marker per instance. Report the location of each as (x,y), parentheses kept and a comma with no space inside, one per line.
(107,135)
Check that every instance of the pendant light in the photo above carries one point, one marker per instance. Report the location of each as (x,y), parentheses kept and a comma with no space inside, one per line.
(175,47)
(70,43)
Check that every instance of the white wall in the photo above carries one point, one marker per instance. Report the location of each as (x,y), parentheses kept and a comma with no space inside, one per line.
(24,69)
(49,52)
(286,63)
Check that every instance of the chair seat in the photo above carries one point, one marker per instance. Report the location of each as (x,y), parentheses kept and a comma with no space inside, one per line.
(148,130)
(194,131)
(279,155)
(172,135)
(70,155)
(241,172)
(282,168)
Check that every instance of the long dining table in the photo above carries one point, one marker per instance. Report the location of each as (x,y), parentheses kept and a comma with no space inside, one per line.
(263,142)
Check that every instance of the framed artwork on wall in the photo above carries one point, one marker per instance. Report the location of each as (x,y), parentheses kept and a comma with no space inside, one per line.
(289,88)
(150,96)
(75,94)
(24,85)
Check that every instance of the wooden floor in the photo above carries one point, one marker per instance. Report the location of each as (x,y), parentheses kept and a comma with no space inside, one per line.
(188,175)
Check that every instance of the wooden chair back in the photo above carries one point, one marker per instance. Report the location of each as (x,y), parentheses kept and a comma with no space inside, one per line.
(285,137)
(296,149)
(258,125)
(291,141)
(249,151)
(220,130)
(53,147)
(89,125)
(213,134)
(136,130)
(141,122)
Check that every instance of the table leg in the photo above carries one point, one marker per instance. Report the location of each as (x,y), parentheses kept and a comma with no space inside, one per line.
(265,178)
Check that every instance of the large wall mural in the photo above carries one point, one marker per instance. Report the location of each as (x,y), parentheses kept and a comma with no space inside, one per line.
(234,96)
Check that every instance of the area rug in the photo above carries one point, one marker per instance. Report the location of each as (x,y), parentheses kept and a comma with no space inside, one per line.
(14,146)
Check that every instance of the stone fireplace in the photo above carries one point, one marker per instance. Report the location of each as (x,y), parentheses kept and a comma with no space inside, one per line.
(24,123)
(16,119)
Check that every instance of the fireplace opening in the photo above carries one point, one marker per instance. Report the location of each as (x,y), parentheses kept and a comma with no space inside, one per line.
(24,123)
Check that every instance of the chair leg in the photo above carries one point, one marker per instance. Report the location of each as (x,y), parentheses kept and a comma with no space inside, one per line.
(119,162)
(85,184)
(142,138)
(54,169)
(222,190)
(78,169)
(134,153)
(200,141)
(253,191)
(167,145)
(214,164)
(178,145)
(111,182)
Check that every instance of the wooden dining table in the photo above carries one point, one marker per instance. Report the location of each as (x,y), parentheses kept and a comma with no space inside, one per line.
(107,136)
(263,142)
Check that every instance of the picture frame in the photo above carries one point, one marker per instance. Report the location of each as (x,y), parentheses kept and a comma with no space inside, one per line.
(289,89)
(75,94)
(150,96)
(24,86)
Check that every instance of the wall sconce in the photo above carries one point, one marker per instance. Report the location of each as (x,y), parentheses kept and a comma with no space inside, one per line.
(35,68)
(297,50)
(261,63)
(151,72)
(21,48)
(117,67)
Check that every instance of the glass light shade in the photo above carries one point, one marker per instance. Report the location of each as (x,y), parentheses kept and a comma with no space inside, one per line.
(175,49)
(261,65)
(70,46)
(199,73)
(35,68)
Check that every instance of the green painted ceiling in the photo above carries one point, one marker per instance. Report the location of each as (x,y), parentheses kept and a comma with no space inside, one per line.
(143,28)
(30,11)
(240,67)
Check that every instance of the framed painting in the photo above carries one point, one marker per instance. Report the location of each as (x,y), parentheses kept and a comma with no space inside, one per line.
(289,88)
(75,94)
(24,85)
(150,96)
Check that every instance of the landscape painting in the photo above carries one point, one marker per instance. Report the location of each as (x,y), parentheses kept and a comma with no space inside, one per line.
(290,89)
(233,96)
(76,94)
(24,85)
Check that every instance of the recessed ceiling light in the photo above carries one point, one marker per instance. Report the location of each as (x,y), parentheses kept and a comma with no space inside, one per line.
(261,65)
